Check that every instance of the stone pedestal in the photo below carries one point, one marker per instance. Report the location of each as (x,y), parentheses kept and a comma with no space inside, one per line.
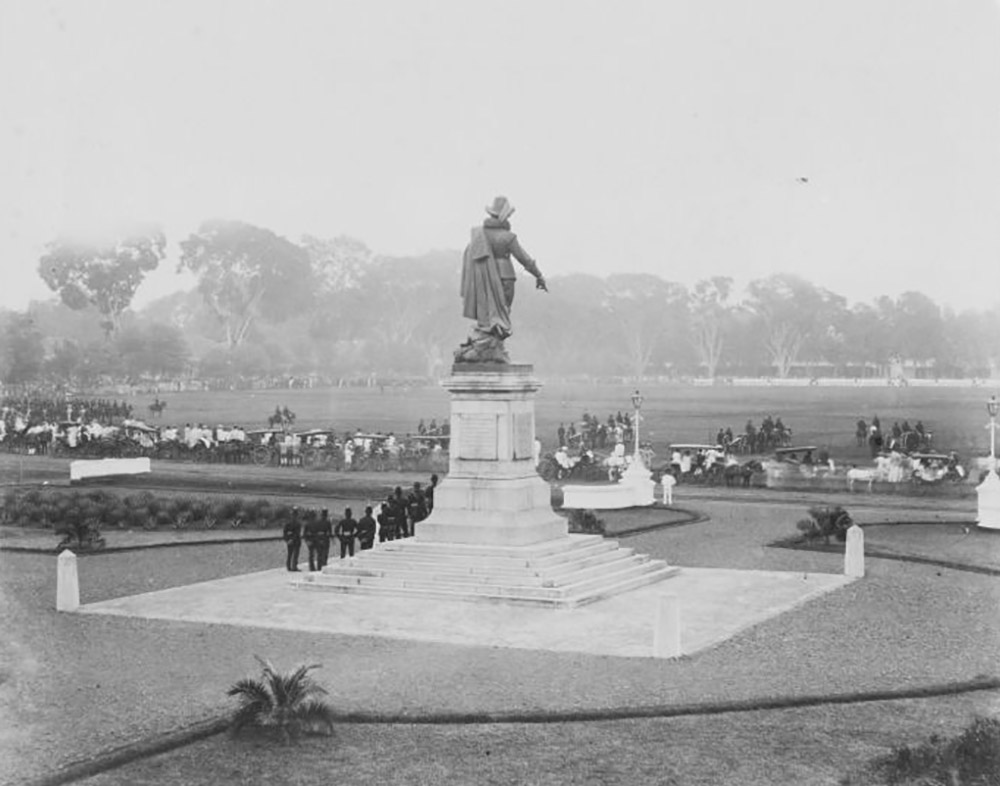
(493,536)
(635,489)
(988,492)
(67,582)
(638,478)
(492,495)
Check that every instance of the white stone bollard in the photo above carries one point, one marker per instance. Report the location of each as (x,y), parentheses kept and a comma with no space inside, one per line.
(988,506)
(67,582)
(854,553)
(667,628)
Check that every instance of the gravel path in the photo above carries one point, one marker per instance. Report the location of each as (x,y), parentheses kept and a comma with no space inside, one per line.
(73,685)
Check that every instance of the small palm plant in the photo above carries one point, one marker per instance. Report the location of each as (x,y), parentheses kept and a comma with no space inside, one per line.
(286,704)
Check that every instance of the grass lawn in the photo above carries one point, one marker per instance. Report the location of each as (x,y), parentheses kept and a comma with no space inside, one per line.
(801,746)
(951,542)
(671,413)
(967,544)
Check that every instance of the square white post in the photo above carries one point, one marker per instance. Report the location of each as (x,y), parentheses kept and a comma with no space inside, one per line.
(67,582)
(667,627)
(854,553)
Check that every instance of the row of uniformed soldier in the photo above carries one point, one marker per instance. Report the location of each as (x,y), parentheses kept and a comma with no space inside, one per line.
(397,518)
(399,514)
(318,532)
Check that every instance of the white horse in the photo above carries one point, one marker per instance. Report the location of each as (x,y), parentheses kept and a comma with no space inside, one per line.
(855,475)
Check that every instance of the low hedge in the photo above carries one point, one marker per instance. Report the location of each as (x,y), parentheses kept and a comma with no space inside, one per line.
(59,510)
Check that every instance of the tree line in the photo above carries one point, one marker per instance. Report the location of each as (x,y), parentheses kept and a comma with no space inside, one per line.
(264,305)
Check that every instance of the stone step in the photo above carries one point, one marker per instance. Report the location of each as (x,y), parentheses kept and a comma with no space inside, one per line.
(384,558)
(533,551)
(554,600)
(602,557)
(477,574)
(626,585)
(531,586)
(596,581)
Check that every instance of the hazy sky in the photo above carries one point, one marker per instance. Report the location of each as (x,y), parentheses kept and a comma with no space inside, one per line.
(660,136)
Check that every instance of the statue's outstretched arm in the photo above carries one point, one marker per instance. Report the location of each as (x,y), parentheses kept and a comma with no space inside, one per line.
(529,264)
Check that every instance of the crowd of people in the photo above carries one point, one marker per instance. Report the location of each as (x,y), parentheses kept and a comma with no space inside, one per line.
(34,410)
(596,434)
(434,429)
(772,433)
(397,518)
(899,437)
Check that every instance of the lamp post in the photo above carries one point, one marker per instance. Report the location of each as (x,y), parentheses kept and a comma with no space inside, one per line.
(637,405)
(993,407)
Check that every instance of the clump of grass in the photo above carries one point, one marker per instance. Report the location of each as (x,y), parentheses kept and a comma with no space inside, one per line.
(970,759)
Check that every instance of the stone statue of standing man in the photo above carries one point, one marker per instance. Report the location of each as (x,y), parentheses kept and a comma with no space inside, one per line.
(488,284)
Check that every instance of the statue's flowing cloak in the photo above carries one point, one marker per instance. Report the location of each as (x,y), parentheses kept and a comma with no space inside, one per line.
(482,289)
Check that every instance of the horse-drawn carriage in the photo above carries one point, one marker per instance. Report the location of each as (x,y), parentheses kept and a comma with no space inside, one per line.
(424,453)
(695,462)
(588,466)
(803,454)
(936,468)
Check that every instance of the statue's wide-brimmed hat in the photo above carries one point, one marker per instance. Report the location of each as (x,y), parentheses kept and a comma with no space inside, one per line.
(501,208)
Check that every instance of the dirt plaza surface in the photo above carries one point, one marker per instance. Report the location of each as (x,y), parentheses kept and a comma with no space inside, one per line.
(79,684)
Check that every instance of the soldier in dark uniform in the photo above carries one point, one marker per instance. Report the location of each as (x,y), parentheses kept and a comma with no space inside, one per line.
(310,534)
(429,494)
(345,531)
(399,513)
(366,530)
(292,535)
(324,534)
(416,506)
(385,524)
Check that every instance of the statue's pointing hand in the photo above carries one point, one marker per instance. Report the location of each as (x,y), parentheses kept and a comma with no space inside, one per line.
(540,283)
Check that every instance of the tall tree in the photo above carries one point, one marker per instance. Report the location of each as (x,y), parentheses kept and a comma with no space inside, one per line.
(152,350)
(711,314)
(245,272)
(917,328)
(22,351)
(793,312)
(643,309)
(338,263)
(104,274)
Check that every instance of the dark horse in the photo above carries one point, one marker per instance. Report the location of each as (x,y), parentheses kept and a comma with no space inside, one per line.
(742,473)
(281,418)
(157,407)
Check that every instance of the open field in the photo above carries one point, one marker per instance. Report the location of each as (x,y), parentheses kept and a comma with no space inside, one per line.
(671,413)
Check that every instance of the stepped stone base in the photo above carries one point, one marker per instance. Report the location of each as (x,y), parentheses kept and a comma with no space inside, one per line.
(561,573)
(492,535)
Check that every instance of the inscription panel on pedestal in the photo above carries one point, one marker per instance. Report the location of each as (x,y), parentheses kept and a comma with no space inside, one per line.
(524,435)
(478,437)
